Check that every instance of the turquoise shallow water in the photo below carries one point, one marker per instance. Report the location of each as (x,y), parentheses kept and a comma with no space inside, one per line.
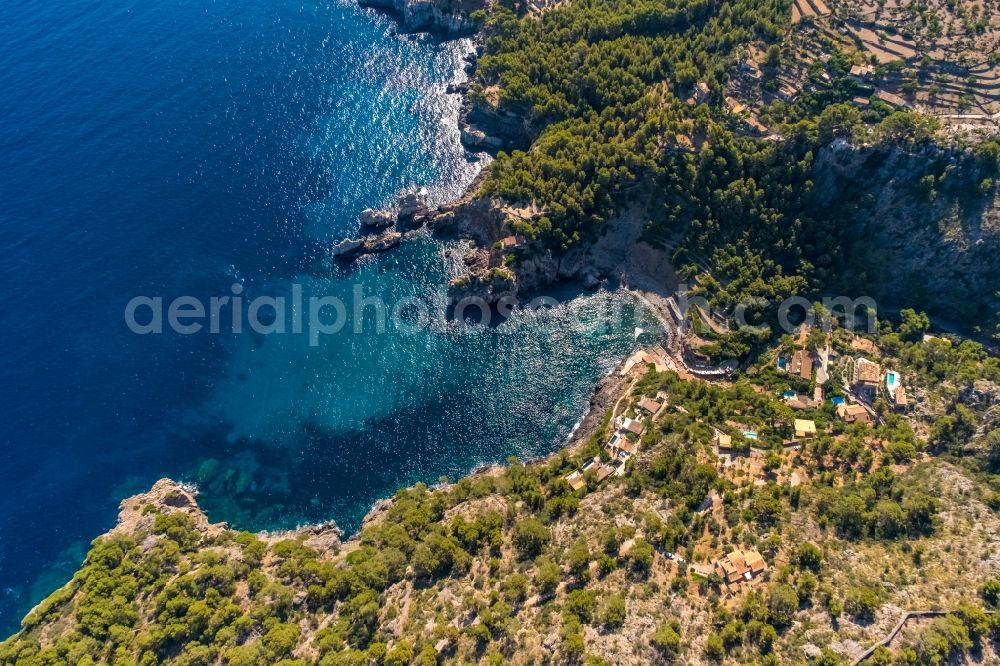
(318,432)
(176,148)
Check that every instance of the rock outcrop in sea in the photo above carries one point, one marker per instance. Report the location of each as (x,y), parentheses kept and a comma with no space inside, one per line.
(496,263)
(353,247)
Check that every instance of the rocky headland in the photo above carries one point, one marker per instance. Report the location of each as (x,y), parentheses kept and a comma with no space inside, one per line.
(497,262)
(137,516)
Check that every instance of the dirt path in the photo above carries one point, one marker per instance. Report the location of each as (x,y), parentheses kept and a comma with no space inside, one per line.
(625,393)
(908,615)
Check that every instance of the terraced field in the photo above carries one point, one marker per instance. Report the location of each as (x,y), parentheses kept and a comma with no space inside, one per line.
(937,57)
(808,8)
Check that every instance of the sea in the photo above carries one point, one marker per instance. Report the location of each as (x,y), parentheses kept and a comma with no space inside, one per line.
(157,155)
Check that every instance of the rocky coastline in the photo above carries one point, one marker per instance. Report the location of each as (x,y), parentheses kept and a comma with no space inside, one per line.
(498,263)
(449,18)
(137,514)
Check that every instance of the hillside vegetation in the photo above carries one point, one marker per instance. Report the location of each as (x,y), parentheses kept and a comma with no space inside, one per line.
(548,562)
(829,195)
(514,566)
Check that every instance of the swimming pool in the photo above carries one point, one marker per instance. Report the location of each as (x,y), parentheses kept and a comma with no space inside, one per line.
(891,380)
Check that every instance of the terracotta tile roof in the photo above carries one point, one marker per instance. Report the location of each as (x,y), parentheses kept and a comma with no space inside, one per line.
(754,561)
(633,426)
(866,372)
(802,364)
(737,564)
(890,98)
(853,413)
(649,405)
(627,446)
(576,480)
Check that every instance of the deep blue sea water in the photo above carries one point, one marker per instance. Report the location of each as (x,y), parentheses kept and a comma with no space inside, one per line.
(178,147)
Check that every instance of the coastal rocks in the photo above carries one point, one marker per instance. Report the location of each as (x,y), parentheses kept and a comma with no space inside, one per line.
(348,247)
(384,242)
(470,64)
(477,218)
(376,219)
(590,280)
(493,270)
(323,537)
(542,270)
(484,279)
(138,513)
(573,264)
(412,210)
(377,513)
(489,287)
(474,138)
(484,126)
(443,222)
(537,271)
(448,17)
(383,229)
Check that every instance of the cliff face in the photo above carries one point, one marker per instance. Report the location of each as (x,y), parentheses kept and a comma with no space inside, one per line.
(920,240)
(449,17)
(486,127)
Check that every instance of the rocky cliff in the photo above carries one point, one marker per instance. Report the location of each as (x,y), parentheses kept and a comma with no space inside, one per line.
(923,237)
(448,17)
(484,126)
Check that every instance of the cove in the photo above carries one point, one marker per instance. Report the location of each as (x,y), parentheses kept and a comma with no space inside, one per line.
(176,148)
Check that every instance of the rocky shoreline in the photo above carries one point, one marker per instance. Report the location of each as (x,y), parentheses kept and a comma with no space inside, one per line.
(138,512)
(498,263)
(450,18)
